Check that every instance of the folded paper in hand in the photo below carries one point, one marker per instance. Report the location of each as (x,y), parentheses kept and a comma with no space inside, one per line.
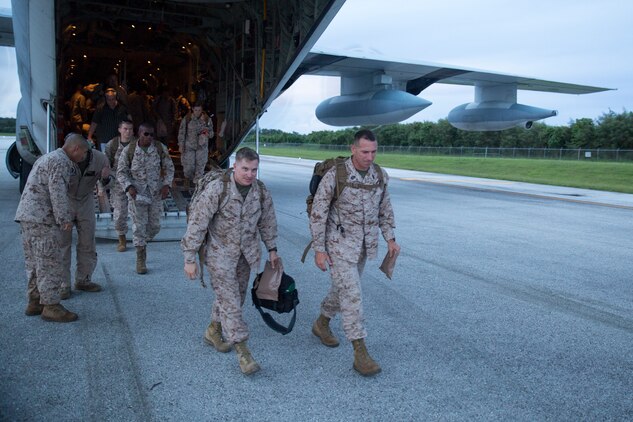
(268,287)
(388,264)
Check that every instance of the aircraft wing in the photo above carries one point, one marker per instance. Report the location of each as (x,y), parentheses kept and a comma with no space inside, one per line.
(6,29)
(419,75)
(379,90)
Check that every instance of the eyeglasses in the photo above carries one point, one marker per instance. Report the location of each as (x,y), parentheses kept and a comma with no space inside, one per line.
(148,133)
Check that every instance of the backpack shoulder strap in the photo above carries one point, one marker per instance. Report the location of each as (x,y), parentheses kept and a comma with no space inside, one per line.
(381,179)
(341,176)
(226,179)
(262,188)
(270,321)
(113,149)
(131,148)
(161,152)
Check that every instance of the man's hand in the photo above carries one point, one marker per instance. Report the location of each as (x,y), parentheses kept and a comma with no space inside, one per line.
(320,259)
(67,226)
(191,270)
(132,191)
(164,191)
(105,173)
(393,248)
(273,258)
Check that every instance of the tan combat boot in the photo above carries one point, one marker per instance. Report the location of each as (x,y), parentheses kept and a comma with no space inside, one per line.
(122,246)
(141,255)
(213,336)
(57,313)
(363,363)
(248,365)
(64,293)
(321,329)
(34,308)
(88,286)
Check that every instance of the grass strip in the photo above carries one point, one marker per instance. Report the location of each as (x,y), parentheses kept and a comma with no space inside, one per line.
(599,175)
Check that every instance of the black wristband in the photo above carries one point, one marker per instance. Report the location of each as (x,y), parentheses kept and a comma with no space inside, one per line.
(272,249)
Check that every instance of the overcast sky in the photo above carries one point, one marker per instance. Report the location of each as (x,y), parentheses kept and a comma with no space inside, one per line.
(577,41)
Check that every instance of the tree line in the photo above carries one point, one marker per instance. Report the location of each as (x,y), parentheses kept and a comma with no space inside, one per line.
(7,125)
(609,131)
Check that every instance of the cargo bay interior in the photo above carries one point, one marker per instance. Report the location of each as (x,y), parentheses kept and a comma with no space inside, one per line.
(228,55)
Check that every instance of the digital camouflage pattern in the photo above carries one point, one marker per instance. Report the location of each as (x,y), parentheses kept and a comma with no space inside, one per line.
(118,197)
(148,175)
(45,196)
(345,298)
(81,196)
(360,212)
(232,231)
(194,145)
(42,261)
(347,230)
(44,207)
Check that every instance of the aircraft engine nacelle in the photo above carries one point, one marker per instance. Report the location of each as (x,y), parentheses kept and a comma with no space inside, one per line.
(371,108)
(495,115)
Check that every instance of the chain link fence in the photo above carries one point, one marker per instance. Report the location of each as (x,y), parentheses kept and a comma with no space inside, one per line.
(484,152)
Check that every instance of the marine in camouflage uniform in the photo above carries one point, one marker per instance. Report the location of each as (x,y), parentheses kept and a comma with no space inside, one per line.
(118,197)
(43,212)
(94,169)
(344,234)
(193,141)
(146,178)
(232,223)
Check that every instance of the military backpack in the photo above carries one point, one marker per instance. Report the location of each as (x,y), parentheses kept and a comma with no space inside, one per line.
(214,174)
(319,171)
(132,148)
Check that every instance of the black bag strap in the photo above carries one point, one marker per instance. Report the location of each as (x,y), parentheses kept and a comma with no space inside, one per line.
(270,321)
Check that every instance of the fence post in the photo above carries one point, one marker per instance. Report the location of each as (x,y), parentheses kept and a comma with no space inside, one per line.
(578,154)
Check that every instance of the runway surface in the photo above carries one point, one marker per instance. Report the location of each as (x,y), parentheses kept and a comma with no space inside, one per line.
(505,305)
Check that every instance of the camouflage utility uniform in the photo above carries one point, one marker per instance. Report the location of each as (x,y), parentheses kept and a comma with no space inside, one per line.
(194,144)
(44,207)
(118,197)
(346,230)
(148,174)
(232,230)
(82,206)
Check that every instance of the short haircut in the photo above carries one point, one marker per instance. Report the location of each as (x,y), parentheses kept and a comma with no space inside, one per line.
(146,125)
(75,139)
(246,153)
(127,121)
(364,134)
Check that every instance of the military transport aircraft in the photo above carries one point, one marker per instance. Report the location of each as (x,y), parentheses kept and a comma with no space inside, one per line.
(237,57)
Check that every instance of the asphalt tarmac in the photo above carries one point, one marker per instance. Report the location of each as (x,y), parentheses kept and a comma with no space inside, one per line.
(509,302)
